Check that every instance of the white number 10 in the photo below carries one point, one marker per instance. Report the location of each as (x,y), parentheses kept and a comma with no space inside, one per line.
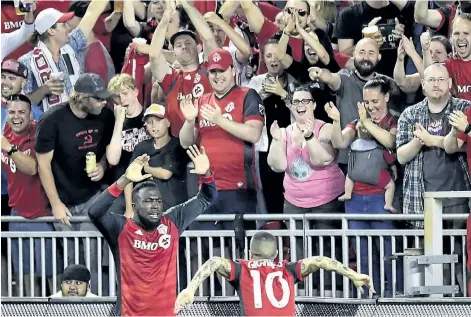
(257,291)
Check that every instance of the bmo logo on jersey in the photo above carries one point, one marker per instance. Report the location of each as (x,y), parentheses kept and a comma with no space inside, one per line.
(464,89)
(163,242)
(196,92)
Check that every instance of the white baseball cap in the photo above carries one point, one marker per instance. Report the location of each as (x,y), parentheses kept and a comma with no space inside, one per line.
(48,17)
(155,110)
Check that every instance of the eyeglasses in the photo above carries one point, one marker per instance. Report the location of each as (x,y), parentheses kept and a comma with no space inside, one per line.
(20,97)
(296,102)
(436,80)
(300,12)
(98,99)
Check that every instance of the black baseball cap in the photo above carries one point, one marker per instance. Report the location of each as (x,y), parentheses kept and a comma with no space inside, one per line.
(183,32)
(15,67)
(79,8)
(92,84)
(76,272)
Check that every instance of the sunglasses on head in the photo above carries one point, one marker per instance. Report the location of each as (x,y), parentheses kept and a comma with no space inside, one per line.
(300,12)
(20,97)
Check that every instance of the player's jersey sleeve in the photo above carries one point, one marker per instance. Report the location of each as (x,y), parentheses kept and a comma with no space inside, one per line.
(168,82)
(253,107)
(236,269)
(295,269)
(109,224)
(184,214)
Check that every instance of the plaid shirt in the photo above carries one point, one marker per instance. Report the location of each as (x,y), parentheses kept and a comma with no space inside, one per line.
(414,187)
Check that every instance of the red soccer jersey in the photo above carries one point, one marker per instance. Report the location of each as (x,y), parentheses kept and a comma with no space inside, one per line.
(178,85)
(26,193)
(231,158)
(265,287)
(460,72)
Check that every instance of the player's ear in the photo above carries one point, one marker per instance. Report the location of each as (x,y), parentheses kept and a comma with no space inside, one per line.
(250,255)
(276,254)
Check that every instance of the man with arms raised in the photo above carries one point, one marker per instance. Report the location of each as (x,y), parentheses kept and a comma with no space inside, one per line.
(265,285)
(145,246)
(191,81)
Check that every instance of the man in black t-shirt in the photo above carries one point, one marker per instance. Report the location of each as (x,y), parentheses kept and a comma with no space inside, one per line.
(397,18)
(65,134)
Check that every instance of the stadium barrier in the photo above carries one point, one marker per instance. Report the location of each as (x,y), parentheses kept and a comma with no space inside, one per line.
(200,245)
(101,307)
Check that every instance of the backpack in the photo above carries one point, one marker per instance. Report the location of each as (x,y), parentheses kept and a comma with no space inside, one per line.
(365,161)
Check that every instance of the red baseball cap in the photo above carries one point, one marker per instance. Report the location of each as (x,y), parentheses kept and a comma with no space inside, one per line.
(219,59)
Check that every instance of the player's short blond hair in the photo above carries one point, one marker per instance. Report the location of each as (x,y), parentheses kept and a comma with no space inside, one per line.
(264,246)
(121,81)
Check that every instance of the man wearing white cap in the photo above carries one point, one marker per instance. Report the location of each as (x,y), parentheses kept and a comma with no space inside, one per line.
(54,64)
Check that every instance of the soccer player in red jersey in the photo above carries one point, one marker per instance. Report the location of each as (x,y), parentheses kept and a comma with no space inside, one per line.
(145,246)
(265,285)
(191,80)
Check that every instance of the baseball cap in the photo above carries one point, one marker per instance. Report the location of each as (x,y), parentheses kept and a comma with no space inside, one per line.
(93,84)
(155,110)
(219,59)
(15,67)
(48,17)
(182,32)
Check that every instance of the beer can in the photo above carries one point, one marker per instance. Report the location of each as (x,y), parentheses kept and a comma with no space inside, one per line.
(90,162)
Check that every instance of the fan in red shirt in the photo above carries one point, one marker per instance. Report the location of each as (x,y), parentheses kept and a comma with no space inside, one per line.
(264,284)
(228,122)
(145,246)
(191,79)
(459,67)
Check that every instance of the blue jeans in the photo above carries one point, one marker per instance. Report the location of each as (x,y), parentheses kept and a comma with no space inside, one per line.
(373,204)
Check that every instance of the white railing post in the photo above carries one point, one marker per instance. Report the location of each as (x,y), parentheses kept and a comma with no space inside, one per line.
(433,240)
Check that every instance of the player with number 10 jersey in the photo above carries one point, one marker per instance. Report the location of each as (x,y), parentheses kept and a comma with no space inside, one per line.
(266,286)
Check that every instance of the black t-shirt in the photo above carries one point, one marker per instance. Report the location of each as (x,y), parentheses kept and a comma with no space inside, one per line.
(442,171)
(352,20)
(71,138)
(133,133)
(171,157)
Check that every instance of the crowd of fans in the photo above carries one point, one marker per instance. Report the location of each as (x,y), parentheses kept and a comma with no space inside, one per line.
(314,106)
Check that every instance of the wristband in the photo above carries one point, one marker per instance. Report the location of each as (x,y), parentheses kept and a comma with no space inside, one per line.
(468,129)
(114,190)
(310,137)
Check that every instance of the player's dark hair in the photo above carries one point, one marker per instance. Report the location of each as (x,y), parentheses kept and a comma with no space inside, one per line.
(264,246)
(142,185)
(378,83)
(275,39)
(19,97)
(444,41)
(305,87)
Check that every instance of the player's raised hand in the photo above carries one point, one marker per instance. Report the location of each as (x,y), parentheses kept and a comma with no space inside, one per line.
(184,300)
(134,170)
(200,159)
(362,280)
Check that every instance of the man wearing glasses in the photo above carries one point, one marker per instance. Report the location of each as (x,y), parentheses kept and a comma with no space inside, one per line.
(429,162)
(65,135)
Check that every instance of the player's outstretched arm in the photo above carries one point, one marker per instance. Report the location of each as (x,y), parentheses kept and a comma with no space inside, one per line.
(184,214)
(215,264)
(311,265)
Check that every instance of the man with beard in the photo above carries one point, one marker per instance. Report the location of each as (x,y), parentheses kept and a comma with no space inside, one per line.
(75,282)
(441,19)
(191,80)
(421,149)
(27,197)
(348,85)
(145,246)
(65,135)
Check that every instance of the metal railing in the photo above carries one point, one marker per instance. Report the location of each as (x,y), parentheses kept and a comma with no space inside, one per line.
(200,245)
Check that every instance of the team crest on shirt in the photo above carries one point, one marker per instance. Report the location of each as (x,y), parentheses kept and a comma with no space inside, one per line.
(198,91)
(230,107)
(162,229)
(216,57)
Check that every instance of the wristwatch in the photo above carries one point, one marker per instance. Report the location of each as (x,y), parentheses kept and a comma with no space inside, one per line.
(13,150)
(468,129)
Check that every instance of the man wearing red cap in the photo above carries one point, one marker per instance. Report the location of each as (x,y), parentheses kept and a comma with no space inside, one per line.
(55,62)
(229,122)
